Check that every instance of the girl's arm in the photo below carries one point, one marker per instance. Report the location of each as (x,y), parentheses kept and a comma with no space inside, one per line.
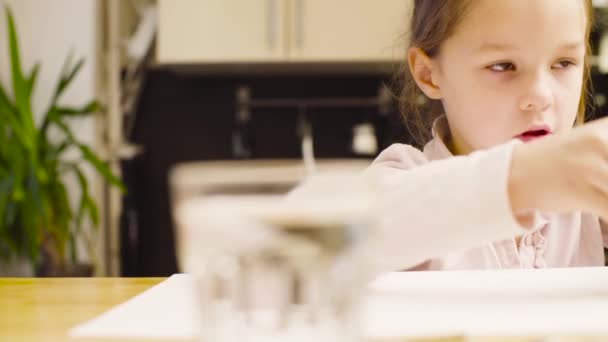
(430,209)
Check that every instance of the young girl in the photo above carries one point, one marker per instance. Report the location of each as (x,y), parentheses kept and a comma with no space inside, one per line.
(505,181)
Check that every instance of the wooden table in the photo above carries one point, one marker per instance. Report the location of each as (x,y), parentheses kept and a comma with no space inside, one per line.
(43,309)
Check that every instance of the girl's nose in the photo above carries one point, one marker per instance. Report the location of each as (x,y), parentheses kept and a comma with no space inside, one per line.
(538,96)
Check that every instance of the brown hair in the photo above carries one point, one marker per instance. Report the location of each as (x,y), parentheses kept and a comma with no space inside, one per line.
(433,22)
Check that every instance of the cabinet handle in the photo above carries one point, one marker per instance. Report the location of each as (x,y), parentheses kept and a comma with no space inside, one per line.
(271,23)
(299,23)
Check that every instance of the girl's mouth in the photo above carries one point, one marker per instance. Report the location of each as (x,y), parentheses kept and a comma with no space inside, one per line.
(533,134)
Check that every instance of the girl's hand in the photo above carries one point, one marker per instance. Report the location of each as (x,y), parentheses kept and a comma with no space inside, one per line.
(563,172)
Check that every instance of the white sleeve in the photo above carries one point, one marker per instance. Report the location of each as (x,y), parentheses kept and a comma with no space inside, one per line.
(441,207)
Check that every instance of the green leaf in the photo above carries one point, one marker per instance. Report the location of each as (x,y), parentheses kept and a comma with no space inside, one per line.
(21,91)
(34,191)
(59,88)
(12,238)
(52,117)
(84,189)
(18,82)
(31,81)
(42,175)
(66,64)
(87,109)
(4,141)
(72,241)
(62,147)
(20,85)
(33,216)
(64,128)
(63,215)
(86,203)
(55,114)
(55,151)
(17,159)
(4,101)
(6,184)
(67,75)
(15,126)
(6,187)
(101,167)
(92,211)
(10,116)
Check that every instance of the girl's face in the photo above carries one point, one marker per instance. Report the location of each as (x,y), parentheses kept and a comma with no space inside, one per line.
(512,69)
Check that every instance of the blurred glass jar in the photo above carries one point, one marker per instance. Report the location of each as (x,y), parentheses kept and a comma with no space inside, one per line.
(271,263)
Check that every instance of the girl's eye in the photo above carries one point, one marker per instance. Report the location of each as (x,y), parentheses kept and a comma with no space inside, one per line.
(502,67)
(563,64)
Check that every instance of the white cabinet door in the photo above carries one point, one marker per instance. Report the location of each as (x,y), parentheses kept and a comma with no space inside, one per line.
(221,31)
(348,30)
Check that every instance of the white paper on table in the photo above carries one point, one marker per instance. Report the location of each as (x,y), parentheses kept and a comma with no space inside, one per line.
(505,284)
(409,304)
(567,301)
(165,311)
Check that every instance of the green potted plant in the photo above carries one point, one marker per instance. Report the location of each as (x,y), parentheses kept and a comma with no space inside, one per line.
(37,222)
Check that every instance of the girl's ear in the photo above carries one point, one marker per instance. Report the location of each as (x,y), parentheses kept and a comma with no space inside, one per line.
(422,69)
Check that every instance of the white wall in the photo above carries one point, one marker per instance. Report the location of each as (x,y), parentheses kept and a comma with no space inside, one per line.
(47,31)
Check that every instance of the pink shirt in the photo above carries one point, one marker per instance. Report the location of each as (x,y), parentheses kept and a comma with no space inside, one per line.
(442,212)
